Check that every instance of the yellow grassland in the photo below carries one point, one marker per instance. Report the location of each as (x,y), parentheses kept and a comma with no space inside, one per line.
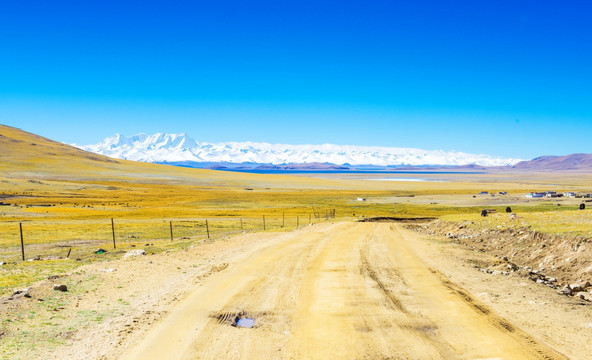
(65,197)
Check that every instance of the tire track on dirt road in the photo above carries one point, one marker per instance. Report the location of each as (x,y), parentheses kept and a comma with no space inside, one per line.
(341,291)
(472,329)
(268,294)
(394,289)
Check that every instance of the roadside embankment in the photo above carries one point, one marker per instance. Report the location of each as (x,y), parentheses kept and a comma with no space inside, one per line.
(558,261)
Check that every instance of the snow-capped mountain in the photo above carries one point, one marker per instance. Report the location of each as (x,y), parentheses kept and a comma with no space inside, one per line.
(181,148)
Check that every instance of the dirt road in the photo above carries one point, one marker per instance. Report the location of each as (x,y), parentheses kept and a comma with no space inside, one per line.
(344,291)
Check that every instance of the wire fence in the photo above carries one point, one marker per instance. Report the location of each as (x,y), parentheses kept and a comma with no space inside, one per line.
(79,239)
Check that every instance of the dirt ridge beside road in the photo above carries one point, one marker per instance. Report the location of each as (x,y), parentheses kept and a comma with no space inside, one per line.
(567,258)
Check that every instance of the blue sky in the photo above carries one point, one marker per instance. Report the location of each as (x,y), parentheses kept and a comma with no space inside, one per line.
(503,78)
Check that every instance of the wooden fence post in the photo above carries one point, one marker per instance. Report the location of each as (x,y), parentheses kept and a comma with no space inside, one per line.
(208,229)
(263,222)
(309,219)
(171,224)
(283,219)
(22,241)
(113,232)
(242,228)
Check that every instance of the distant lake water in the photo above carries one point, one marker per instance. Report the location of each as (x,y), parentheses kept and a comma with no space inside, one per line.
(403,179)
(369,172)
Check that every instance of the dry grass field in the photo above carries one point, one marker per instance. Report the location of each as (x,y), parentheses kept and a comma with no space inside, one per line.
(65,198)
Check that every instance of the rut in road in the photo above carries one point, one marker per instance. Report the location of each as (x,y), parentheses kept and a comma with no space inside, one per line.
(337,291)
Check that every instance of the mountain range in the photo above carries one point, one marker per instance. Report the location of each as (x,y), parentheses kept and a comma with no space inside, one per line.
(26,153)
(180,149)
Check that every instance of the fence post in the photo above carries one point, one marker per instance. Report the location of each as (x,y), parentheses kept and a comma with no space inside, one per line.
(113,232)
(283,219)
(171,224)
(309,219)
(242,228)
(297,222)
(326,214)
(22,241)
(263,222)
(208,229)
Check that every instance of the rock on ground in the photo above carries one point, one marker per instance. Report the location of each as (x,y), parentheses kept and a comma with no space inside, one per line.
(137,252)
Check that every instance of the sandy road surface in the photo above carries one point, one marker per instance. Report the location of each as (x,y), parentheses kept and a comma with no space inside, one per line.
(345,291)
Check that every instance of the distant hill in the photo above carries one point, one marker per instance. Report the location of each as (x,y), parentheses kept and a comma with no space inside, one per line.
(573,162)
(21,151)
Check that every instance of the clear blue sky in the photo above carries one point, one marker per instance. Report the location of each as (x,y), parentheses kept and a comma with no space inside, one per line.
(504,78)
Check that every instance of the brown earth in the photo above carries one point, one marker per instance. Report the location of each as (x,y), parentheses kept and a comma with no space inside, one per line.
(567,258)
(330,291)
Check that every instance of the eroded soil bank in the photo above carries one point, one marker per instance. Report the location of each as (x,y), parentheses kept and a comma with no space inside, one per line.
(566,258)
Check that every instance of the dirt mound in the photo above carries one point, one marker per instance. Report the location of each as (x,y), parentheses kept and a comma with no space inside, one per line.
(564,257)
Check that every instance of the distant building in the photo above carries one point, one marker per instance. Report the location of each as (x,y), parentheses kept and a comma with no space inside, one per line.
(535,195)
(503,193)
(483,193)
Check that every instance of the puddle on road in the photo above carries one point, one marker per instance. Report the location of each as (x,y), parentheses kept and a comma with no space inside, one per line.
(242,319)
